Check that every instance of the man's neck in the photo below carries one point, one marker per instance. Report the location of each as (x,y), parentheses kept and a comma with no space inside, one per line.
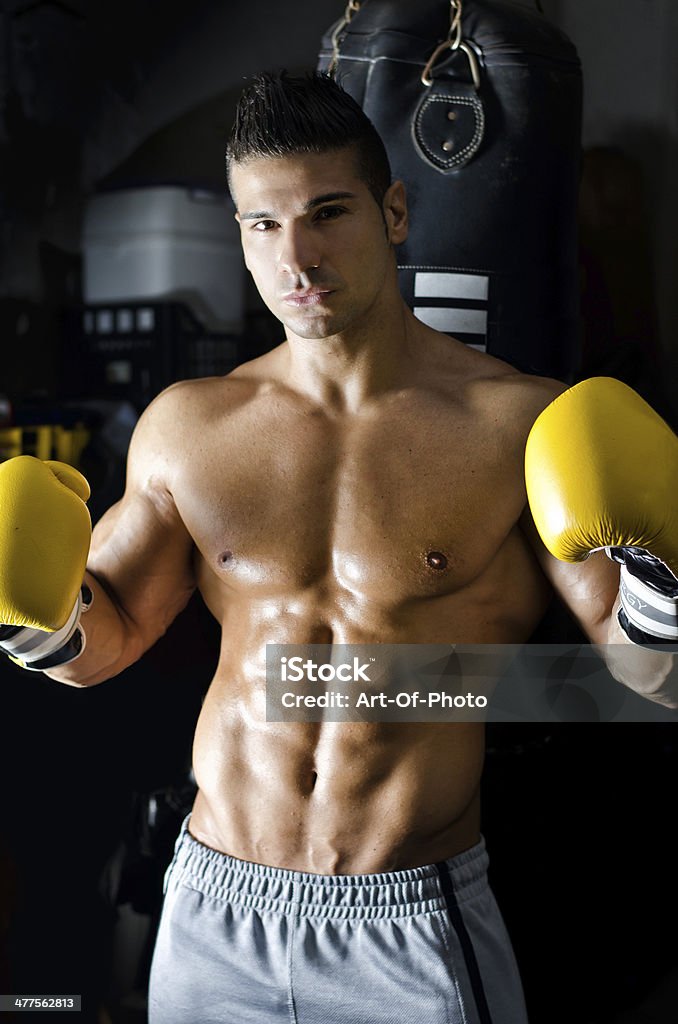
(344,371)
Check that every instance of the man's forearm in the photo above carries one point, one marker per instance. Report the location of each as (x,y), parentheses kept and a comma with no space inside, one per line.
(111,642)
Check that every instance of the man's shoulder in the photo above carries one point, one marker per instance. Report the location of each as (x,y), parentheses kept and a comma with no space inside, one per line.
(188,420)
(499,384)
(496,395)
(525,390)
(198,400)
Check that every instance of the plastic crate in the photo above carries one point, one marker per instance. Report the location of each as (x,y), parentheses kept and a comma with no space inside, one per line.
(132,350)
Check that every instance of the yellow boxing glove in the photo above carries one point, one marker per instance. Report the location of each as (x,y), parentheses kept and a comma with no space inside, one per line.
(45,532)
(601,470)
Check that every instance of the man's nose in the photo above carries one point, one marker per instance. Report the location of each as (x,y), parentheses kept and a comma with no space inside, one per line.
(300,251)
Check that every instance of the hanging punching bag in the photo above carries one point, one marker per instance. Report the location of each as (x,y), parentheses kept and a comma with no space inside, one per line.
(479,105)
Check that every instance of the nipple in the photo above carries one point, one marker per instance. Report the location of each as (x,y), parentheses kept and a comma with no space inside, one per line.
(436,560)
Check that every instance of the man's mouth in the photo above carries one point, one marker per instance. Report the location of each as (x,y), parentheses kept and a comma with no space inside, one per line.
(307,297)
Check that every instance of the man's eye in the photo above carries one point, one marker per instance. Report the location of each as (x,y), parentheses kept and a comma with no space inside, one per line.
(330,212)
(263,225)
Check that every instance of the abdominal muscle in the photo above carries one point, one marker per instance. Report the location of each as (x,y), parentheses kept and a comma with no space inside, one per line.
(342,797)
(334,797)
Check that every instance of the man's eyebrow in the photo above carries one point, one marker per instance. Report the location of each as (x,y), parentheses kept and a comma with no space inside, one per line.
(256,215)
(327,197)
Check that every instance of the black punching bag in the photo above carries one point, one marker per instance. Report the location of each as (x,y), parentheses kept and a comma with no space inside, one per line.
(479,105)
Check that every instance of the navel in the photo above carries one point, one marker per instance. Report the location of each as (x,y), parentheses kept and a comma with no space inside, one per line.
(224,559)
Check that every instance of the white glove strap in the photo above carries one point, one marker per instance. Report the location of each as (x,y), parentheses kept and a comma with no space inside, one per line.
(647,609)
(29,646)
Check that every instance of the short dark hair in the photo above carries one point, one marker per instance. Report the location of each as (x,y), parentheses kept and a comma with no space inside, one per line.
(281,115)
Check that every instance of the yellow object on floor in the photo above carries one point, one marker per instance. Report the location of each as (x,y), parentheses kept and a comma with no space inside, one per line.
(44,442)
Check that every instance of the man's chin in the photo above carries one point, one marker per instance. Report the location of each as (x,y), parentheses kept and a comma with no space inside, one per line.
(314,328)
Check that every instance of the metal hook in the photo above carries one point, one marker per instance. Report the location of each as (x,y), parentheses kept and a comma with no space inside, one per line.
(351,8)
(426,75)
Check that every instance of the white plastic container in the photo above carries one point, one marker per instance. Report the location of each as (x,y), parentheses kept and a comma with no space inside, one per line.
(166,243)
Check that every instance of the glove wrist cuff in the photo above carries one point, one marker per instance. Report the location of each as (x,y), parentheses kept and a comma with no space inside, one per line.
(36,649)
(651,614)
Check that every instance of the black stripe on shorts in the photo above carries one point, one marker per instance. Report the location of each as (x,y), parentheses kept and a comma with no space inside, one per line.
(465,942)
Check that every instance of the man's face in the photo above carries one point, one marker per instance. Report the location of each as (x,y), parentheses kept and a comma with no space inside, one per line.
(314,239)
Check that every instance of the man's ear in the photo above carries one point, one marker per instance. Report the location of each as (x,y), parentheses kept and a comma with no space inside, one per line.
(395,213)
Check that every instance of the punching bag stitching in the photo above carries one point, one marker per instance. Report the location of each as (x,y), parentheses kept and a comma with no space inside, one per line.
(447,266)
(445,164)
(470,148)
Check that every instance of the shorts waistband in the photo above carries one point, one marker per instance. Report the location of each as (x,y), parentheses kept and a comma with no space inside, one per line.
(303,894)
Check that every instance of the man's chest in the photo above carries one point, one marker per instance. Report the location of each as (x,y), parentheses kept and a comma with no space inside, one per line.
(416,505)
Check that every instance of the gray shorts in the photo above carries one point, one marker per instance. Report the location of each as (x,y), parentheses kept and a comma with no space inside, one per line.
(242,943)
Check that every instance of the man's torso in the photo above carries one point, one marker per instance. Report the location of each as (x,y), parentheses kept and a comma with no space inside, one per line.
(396,524)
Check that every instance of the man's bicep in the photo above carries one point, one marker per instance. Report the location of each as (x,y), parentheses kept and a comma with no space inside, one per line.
(588,589)
(144,560)
(141,551)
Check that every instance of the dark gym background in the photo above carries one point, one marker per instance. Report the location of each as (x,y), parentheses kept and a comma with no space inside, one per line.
(96,94)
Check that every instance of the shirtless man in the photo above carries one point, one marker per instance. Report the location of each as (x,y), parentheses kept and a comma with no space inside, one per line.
(361,483)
